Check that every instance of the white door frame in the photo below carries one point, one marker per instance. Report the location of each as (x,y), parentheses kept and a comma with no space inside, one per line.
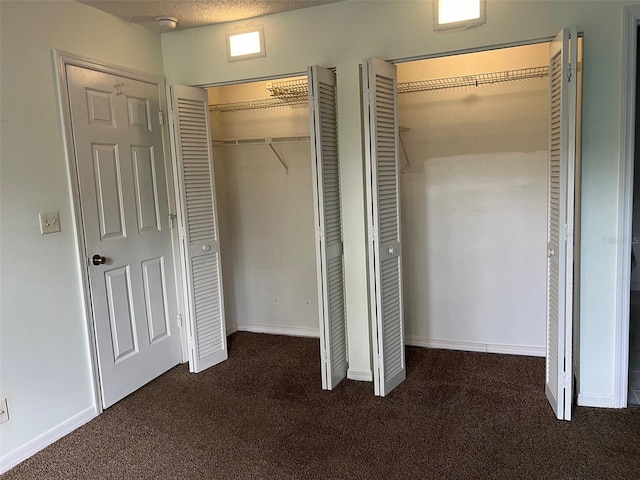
(60,61)
(625,204)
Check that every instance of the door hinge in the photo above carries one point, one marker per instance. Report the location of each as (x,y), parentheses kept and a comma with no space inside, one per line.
(319,233)
(324,356)
(372,233)
(172,220)
(376,360)
(565,380)
(567,232)
(569,73)
(367,97)
(190,343)
(179,318)
(161,117)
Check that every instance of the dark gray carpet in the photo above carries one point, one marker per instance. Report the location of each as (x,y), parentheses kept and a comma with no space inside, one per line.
(263,415)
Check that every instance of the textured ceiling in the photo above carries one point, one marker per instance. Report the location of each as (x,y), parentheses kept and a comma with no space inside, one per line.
(196,13)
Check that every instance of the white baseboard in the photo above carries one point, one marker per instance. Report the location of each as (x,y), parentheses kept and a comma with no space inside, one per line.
(476,346)
(232,329)
(32,447)
(360,375)
(279,330)
(596,400)
(527,350)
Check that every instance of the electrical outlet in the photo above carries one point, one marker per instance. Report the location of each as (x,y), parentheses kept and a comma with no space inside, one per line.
(49,222)
(4,411)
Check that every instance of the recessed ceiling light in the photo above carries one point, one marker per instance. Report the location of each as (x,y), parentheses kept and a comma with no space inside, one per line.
(245,43)
(456,14)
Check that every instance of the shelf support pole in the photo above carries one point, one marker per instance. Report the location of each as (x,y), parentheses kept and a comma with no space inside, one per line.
(401,130)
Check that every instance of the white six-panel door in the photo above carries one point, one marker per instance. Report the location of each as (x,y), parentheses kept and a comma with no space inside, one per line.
(123,195)
(198,228)
(328,220)
(383,221)
(561,204)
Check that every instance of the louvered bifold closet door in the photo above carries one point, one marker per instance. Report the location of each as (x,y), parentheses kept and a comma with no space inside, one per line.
(384,239)
(562,146)
(199,228)
(326,190)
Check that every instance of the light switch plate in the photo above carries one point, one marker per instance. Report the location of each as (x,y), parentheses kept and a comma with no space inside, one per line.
(4,412)
(49,222)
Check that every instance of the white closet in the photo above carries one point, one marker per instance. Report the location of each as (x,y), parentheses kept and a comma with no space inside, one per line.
(471,228)
(264,188)
(474,199)
(258,172)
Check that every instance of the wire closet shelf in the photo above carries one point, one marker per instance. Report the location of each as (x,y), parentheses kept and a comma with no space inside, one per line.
(295,92)
(282,94)
(473,80)
(258,104)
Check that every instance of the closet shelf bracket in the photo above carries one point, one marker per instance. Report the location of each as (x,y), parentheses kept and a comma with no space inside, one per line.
(275,152)
(401,130)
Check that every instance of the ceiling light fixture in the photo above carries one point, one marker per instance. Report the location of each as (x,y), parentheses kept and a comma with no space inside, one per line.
(458,14)
(245,43)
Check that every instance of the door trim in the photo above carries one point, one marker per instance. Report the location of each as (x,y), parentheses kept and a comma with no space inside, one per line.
(631,20)
(60,61)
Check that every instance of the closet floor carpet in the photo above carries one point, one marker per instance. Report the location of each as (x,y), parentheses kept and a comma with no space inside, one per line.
(263,415)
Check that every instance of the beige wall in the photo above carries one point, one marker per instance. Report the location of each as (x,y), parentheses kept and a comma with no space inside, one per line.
(45,370)
(341,34)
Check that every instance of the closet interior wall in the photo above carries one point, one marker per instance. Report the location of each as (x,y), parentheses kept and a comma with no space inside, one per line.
(266,216)
(474,201)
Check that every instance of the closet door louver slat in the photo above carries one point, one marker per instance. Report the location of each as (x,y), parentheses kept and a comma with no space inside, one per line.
(199,228)
(383,208)
(560,220)
(328,217)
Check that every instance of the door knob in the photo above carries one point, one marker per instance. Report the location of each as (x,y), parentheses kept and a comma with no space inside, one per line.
(98,259)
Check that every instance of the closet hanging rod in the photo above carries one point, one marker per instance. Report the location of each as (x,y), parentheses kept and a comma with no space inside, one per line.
(263,141)
(258,140)
(473,80)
